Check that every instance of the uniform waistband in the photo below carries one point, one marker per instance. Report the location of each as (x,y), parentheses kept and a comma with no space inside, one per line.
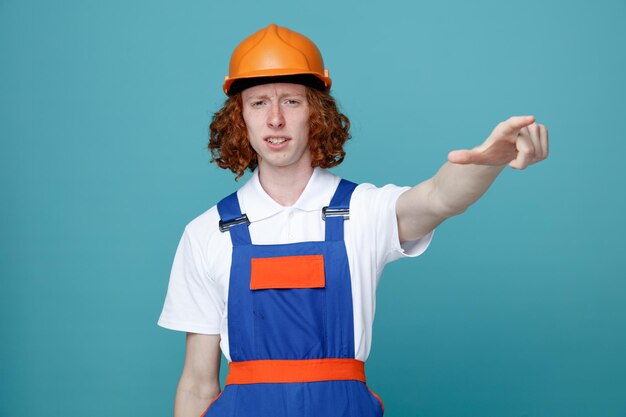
(302,370)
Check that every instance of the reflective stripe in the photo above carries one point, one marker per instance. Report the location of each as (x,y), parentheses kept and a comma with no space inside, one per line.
(304,370)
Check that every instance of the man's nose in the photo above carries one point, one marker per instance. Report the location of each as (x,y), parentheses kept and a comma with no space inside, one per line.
(275,118)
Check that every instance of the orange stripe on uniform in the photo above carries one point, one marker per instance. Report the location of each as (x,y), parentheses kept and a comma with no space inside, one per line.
(211,403)
(378,398)
(305,271)
(304,370)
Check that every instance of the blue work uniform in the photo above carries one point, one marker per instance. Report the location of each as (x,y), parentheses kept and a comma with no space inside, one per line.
(290,324)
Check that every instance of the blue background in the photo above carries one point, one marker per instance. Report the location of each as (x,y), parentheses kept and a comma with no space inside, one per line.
(518,307)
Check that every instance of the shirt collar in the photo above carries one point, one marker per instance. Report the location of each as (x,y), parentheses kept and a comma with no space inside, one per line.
(258,205)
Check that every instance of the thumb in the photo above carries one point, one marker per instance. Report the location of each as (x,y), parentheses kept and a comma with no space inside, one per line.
(462,156)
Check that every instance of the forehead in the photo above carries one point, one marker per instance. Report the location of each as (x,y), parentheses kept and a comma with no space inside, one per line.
(274,90)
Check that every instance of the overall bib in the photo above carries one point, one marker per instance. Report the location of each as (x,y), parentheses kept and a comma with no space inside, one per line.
(290,324)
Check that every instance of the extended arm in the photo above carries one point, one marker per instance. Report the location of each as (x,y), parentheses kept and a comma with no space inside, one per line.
(199,382)
(466,176)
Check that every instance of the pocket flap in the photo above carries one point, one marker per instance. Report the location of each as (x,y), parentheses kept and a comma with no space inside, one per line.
(305,271)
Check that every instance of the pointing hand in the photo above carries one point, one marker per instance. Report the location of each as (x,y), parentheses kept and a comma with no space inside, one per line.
(518,141)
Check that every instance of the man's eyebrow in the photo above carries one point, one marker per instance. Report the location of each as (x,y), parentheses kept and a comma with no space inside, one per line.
(265,96)
(258,96)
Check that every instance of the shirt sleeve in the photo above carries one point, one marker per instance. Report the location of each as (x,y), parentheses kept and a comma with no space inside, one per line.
(193,302)
(375,215)
(411,248)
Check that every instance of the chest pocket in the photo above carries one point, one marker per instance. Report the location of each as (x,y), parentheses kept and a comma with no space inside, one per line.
(305,271)
(289,306)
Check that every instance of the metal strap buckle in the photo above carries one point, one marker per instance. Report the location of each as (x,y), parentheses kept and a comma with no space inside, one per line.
(225,226)
(335,212)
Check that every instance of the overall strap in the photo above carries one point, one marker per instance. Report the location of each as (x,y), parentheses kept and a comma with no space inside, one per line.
(233,221)
(338,210)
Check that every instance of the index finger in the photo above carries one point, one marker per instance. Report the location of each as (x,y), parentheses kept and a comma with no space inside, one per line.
(515,123)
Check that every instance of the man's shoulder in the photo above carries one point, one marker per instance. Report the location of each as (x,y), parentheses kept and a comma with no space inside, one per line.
(208,221)
(203,227)
(368,191)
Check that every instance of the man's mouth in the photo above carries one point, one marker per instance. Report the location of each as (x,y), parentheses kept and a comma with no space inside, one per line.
(276,140)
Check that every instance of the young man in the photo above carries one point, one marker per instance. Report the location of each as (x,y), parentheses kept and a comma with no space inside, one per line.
(282,274)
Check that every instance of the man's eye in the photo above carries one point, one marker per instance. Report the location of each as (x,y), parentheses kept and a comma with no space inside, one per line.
(258,103)
(292,102)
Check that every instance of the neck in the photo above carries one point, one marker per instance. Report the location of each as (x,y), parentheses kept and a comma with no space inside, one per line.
(284,185)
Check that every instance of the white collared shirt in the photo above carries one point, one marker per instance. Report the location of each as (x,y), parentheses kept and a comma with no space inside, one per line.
(197,295)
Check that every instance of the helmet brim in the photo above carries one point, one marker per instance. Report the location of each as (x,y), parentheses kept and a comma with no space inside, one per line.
(235,85)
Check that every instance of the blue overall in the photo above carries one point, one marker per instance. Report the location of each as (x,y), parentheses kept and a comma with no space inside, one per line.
(292,324)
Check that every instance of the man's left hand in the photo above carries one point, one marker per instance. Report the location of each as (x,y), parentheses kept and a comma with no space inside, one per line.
(518,142)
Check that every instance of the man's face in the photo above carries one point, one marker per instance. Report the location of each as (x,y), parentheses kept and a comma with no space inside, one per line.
(277,120)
